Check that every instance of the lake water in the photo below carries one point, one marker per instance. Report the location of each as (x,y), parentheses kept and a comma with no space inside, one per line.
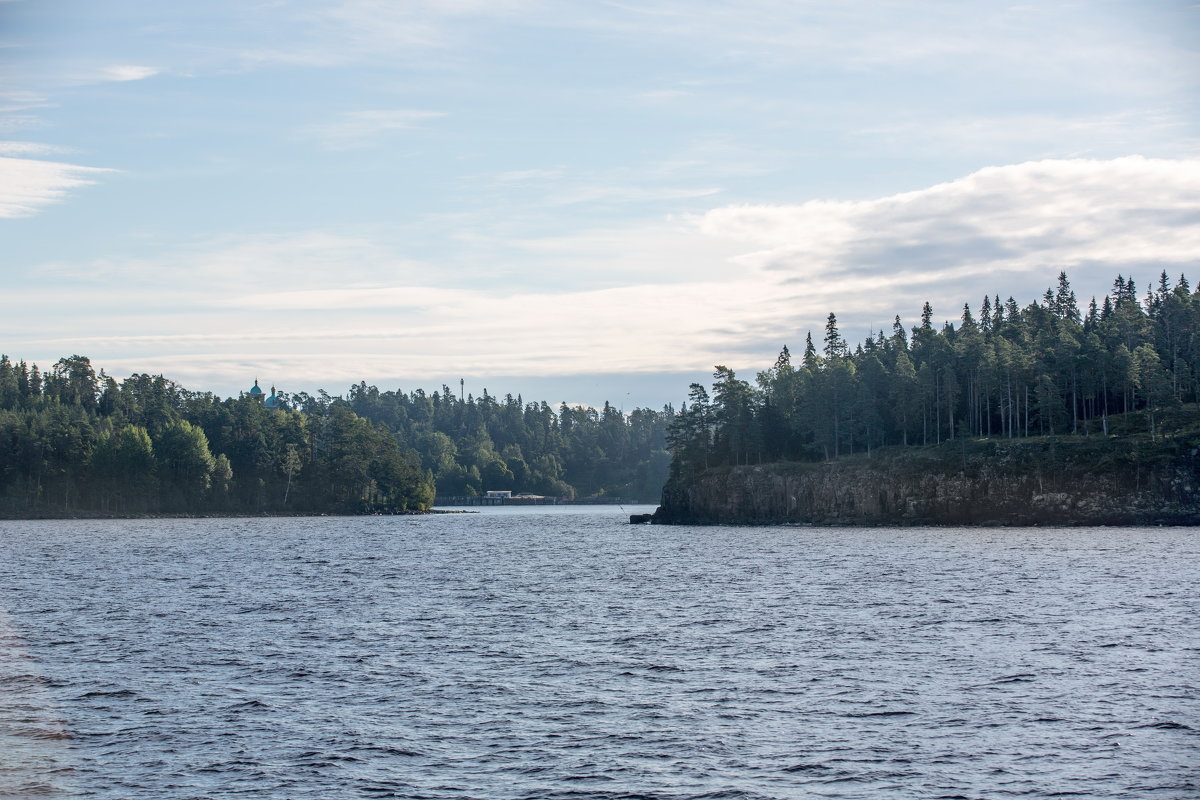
(558,652)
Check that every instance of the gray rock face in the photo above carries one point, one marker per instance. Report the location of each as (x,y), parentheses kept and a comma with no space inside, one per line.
(999,484)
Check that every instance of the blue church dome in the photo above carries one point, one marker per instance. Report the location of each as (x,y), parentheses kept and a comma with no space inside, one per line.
(255,390)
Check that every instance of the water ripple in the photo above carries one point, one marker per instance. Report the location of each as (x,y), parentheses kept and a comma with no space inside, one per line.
(563,654)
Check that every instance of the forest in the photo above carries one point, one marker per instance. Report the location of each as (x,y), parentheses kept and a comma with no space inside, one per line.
(1125,365)
(77,442)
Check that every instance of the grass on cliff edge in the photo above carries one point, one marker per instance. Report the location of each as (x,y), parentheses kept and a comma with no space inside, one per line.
(1128,445)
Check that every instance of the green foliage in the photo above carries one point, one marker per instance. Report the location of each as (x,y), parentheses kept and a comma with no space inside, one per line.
(122,469)
(81,442)
(185,464)
(473,445)
(1042,370)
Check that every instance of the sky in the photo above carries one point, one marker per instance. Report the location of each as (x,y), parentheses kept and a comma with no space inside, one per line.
(576,201)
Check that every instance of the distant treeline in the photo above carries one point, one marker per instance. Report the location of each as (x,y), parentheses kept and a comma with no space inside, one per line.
(74,441)
(1004,371)
(474,444)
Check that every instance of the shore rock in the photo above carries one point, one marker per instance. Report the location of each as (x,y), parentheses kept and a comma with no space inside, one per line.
(983,483)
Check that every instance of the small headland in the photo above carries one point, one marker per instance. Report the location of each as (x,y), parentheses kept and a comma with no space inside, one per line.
(1092,480)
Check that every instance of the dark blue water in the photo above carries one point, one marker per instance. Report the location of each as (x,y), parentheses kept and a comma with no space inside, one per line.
(560,653)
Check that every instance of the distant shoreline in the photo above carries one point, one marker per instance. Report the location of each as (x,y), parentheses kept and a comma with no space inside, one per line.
(82,515)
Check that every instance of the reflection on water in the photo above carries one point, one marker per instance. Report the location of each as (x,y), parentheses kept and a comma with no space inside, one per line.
(554,652)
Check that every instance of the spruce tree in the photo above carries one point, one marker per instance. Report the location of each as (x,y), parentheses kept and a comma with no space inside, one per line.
(810,353)
(835,345)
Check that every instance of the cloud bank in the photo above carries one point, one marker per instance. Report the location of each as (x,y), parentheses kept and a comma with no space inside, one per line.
(325,309)
(27,185)
(121,73)
(1031,219)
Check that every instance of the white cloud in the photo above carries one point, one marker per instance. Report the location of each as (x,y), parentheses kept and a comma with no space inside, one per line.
(1127,210)
(679,176)
(27,185)
(727,287)
(247,264)
(621,329)
(359,128)
(1003,229)
(529,176)
(21,100)
(31,149)
(123,72)
(374,297)
(17,122)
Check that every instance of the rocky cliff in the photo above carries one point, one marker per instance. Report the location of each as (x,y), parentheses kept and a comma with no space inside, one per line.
(1065,482)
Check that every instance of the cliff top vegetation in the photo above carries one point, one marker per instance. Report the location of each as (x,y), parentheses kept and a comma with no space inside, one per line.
(1125,367)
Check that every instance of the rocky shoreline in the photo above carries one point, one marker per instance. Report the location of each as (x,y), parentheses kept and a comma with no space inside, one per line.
(990,483)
